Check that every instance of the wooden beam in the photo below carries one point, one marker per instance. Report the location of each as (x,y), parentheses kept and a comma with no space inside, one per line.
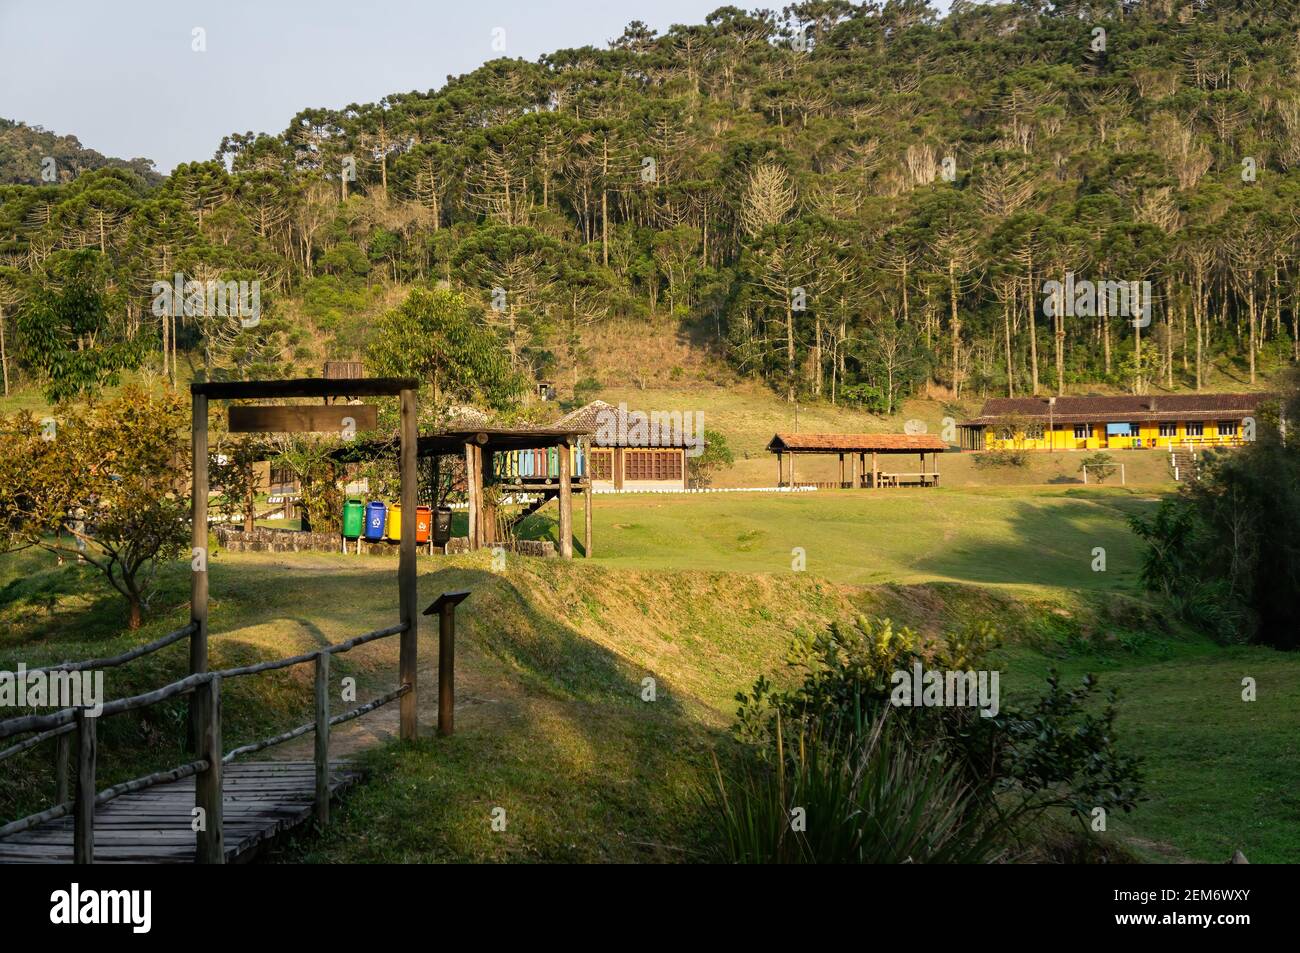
(841,469)
(406,572)
(199,544)
(305,387)
(875,471)
(336,418)
(780,468)
(566,505)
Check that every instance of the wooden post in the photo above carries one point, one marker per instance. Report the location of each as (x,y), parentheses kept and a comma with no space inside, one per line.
(841,471)
(199,542)
(62,749)
(853,470)
(875,471)
(406,580)
(445,606)
(566,504)
(487,512)
(322,738)
(792,469)
(83,810)
(586,536)
(618,468)
(780,469)
(472,476)
(210,845)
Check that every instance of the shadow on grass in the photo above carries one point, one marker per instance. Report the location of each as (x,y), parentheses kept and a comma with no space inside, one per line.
(1052,546)
(582,767)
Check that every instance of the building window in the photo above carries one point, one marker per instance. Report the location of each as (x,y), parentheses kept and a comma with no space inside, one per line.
(1082,431)
(653,465)
(1195,430)
(602,464)
(282,481)
(1169,430)
(1227,428)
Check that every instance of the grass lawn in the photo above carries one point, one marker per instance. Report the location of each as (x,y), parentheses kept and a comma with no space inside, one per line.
(999,537)
(697,594)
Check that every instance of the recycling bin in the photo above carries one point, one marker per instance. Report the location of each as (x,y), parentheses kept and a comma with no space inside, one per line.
(442,525)
(553,462)
(353,518)
(395,522)
(375,513)
(423,521)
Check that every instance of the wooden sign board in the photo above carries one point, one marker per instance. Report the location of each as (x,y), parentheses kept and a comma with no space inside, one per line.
(344,419)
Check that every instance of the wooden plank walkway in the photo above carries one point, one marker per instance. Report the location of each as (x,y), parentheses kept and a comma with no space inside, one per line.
(261,799)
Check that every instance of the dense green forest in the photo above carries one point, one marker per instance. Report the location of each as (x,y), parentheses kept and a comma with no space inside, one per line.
(854,202)
(30,155)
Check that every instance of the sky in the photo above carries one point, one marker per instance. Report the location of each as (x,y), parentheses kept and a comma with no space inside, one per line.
(123,75)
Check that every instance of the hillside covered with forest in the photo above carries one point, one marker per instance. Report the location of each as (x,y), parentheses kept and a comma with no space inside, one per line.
(850,202)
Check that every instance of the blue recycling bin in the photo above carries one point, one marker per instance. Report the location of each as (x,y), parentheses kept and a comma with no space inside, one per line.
(375,513)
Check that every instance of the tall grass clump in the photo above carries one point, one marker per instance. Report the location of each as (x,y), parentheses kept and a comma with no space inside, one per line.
(836,770)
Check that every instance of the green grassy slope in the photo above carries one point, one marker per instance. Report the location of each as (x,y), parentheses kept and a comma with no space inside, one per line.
(553,657)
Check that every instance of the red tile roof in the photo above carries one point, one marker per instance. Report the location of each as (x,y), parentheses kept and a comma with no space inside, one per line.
(856,443)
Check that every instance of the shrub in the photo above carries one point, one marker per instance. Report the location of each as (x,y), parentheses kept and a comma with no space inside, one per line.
(991,459)
(869,800)
(716,456)
(1102,466)
(989,775)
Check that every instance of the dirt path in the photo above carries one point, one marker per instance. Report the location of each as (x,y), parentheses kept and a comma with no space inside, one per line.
(480,699)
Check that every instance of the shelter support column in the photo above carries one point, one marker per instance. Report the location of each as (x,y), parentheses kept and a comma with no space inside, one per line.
(473,490)
(566,504)
(586,536)
(487,511)
(406,571)
(875,470)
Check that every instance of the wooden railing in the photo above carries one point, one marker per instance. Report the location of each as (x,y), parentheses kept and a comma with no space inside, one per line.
(62,731)
(207,766)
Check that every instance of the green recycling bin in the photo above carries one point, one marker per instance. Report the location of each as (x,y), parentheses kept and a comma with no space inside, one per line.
(353,518)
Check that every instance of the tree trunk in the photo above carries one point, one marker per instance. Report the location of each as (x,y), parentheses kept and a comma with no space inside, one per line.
(956,325)
(604,204)
(1006,327)
(789,347)
(4,356)
(1030,298)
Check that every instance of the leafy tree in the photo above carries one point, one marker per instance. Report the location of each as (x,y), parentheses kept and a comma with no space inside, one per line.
(105,483)
(70,337)
(433,336)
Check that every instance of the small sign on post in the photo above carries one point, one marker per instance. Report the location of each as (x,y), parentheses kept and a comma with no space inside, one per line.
(445,607)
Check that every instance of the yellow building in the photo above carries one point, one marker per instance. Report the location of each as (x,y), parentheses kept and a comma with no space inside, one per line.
(1167,421)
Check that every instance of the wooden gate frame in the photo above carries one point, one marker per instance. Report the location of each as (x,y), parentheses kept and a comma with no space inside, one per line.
(401,387)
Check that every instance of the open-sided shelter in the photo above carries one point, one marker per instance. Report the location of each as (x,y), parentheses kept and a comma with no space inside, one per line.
(855,447)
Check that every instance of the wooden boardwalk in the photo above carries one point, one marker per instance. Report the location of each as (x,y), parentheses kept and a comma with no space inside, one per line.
(260,800)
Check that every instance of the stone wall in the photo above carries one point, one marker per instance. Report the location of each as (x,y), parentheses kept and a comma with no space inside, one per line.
(265,540)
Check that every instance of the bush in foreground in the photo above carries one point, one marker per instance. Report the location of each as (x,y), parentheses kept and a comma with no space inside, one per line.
(837,771)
